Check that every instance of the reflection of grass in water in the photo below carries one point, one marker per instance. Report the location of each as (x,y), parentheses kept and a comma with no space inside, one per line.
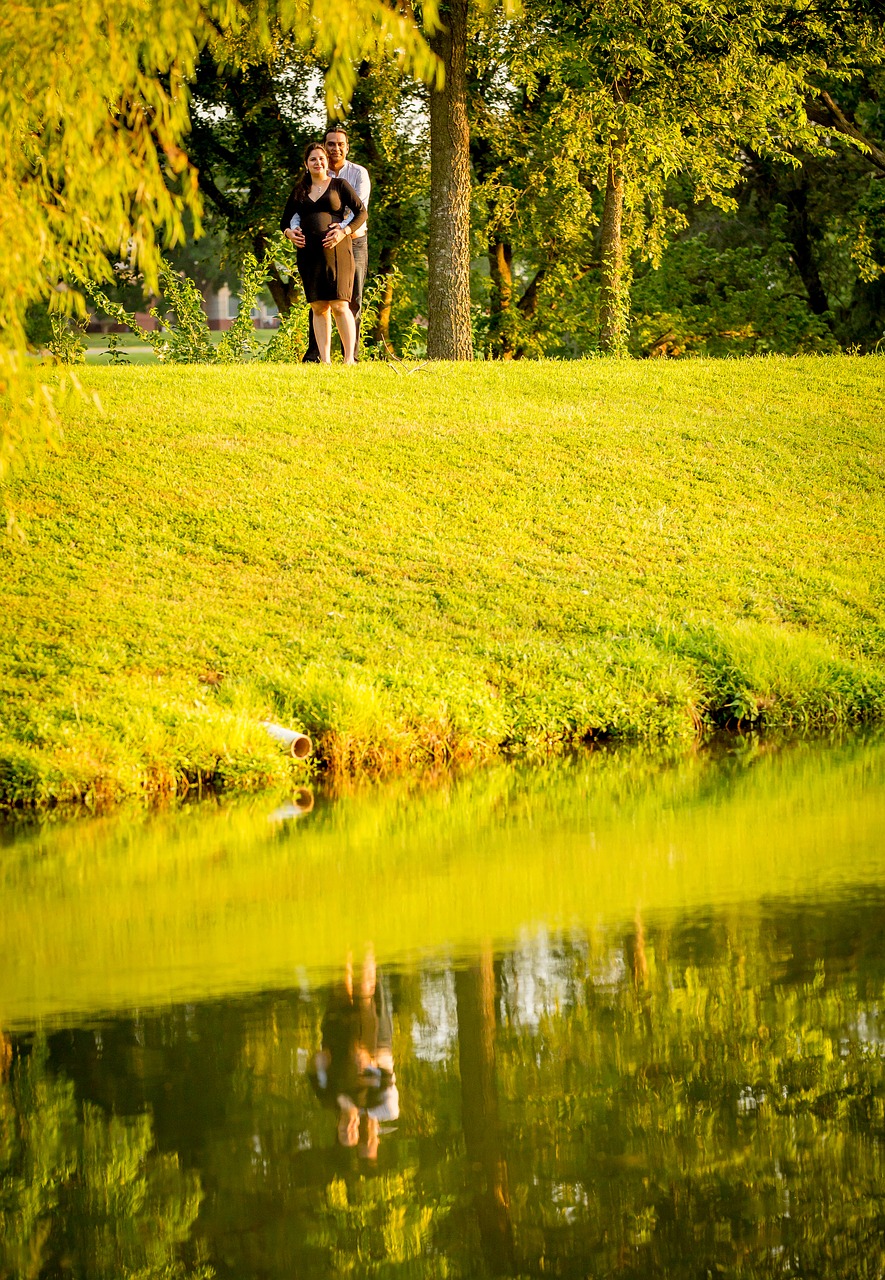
(211,899)
(475,560)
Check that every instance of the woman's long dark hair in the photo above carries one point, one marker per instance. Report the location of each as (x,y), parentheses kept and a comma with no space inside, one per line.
(302,186)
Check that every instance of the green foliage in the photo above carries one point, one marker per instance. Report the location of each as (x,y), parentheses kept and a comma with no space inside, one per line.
(116,311)
(66,344)
(184,336)
(718,301)
(38,326)
(373,300)
(71,194)
(289,342)
(406,337)
(833,212)
(516,558)
(687,101)
(117,356)
(239,342)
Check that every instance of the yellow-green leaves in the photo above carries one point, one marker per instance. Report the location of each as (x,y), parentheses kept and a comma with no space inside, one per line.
(94,110)
(94,121)
(93,134)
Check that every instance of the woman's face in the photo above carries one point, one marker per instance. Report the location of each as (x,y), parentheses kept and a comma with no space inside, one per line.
(318,165)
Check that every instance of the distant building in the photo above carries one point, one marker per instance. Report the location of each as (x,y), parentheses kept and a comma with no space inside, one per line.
(221,306)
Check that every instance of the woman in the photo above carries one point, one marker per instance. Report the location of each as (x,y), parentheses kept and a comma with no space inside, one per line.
(320,216)
(353,1072)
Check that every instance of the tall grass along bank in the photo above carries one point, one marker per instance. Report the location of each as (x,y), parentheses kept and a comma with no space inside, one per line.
(472,560)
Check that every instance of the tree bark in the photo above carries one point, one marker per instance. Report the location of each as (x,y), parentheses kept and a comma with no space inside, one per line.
(449,335)
(381,330)
(791,189)
(501,272)
(611,310)
(802,241)
(833,117)
(284,295)
(528,303)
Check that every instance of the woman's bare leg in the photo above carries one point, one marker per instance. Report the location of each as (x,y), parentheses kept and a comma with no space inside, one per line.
(346,328)
(322,328)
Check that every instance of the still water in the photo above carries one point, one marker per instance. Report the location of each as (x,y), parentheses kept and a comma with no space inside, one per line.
(619,1016)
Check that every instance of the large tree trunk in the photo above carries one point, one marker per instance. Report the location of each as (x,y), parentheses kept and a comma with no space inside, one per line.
(475,994)
(448,332)
(611,301)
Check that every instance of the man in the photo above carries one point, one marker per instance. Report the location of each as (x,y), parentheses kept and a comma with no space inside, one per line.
(337,144)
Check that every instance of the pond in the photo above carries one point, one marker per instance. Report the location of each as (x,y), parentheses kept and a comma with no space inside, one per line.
(621,1015)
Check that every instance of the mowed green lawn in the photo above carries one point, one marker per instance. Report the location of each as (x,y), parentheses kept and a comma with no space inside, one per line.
(438,565)
(134,350)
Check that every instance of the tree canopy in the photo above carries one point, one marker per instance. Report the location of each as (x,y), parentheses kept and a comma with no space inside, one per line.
(682,176)
(94,119)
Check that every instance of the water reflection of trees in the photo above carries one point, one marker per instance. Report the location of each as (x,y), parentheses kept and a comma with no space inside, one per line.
(716,1106)
(83,1192)
(671,1099)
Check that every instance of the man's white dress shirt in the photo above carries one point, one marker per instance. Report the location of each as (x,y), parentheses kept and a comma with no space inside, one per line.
(358,177)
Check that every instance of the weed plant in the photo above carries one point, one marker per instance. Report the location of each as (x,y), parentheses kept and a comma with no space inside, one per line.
(474,560)
(183,335)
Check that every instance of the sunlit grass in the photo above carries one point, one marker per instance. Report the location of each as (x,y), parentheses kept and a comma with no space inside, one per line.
(415,569)
(134,350)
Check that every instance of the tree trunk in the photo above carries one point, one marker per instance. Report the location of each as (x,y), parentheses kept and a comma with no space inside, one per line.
(528,303)
(381,331)
(285,295)
(611,303)
(475,995)
(802,240)
(501,272)
(791,190)
(449,334)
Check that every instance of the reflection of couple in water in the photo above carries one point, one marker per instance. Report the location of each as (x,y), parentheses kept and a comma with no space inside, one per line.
(353,1072)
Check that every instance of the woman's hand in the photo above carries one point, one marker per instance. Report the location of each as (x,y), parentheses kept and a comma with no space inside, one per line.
(334,235)
(296,235)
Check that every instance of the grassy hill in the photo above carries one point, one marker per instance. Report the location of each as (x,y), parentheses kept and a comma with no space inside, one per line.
(445,565)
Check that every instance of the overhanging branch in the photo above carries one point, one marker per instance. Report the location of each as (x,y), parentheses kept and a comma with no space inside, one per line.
(833,117)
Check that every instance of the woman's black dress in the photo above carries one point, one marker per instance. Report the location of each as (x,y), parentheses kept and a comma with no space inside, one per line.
(327,274)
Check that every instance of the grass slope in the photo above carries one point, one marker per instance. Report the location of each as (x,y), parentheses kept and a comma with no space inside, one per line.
(473,559)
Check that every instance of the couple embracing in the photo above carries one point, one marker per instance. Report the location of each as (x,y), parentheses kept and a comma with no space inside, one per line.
(325,217)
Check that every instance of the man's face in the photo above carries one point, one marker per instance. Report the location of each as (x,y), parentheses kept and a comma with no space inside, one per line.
(336,145)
